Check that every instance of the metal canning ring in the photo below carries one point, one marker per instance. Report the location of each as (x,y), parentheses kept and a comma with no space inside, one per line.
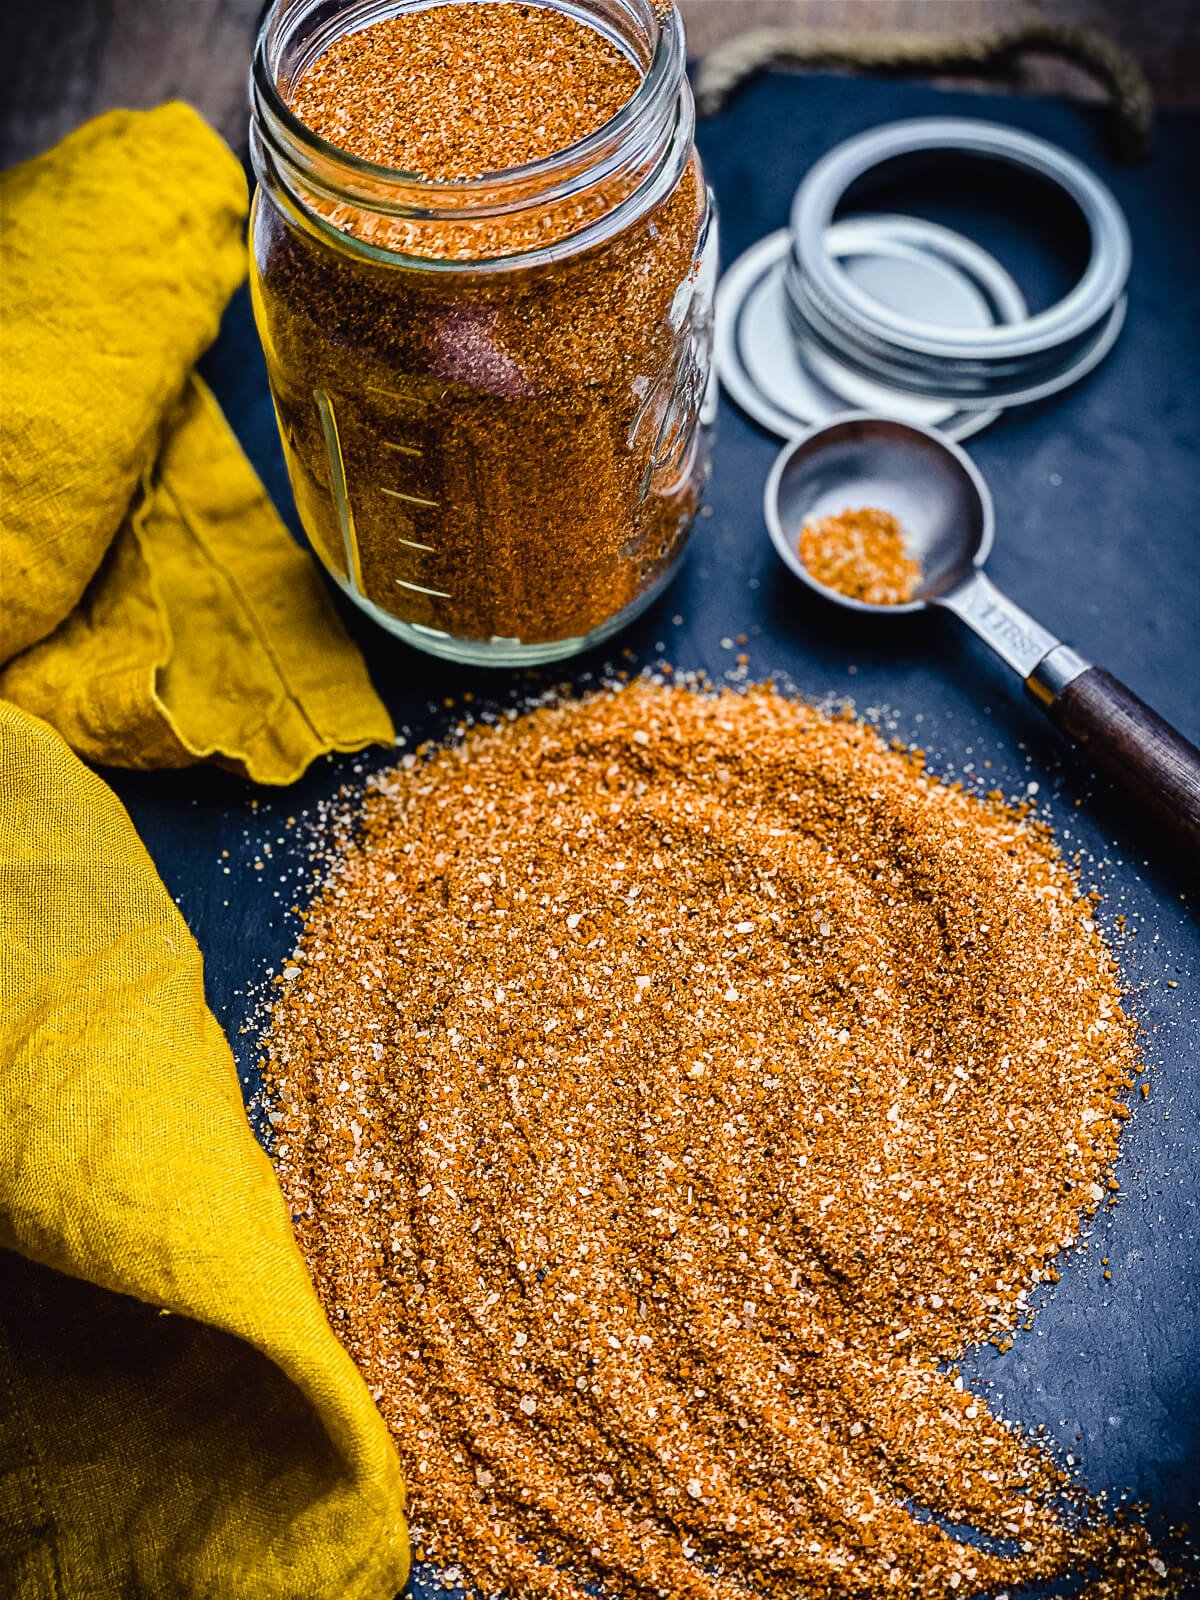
(1011,362)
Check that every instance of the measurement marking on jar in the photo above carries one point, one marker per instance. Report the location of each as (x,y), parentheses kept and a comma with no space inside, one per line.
(403,449)
(341,491)
(409,499)
(417,588)
(413,544)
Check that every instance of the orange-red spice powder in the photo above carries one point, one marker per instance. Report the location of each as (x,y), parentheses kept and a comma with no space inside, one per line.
(862,554)
(668,1087)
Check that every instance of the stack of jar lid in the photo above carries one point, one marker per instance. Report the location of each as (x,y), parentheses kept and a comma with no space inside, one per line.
(902,315)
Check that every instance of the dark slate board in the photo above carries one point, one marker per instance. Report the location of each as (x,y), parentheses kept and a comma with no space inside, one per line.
(1098,536)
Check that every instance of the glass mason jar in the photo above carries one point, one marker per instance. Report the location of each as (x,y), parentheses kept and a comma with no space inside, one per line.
(490,392)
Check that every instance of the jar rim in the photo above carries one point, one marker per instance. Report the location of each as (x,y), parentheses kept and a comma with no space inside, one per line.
(658,83)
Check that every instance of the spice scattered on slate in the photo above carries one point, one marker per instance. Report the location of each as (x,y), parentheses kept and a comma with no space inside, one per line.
(668,1087)
(861,554)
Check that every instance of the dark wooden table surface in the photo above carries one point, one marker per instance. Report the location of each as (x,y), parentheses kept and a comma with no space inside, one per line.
(61,61)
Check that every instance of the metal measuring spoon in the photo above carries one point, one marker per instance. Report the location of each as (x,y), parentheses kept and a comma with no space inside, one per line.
(945,508)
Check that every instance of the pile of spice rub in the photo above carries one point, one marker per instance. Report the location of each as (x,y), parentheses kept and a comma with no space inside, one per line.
(669,1087)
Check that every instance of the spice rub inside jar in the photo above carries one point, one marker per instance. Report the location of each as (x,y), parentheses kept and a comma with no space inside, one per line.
(511,455)
(458,91)
(862,554)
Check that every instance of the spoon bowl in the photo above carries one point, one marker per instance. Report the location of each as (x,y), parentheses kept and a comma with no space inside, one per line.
(923,478)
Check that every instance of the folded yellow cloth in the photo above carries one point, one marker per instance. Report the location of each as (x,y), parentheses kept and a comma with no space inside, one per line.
(154,608)
(177,1420)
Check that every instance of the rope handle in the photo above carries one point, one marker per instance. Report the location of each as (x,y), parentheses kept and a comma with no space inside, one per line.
(730,66)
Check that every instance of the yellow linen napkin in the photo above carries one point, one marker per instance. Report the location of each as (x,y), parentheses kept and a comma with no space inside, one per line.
(177,1420)
(154,608)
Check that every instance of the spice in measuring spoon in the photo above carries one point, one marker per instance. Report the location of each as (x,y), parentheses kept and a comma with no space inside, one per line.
(861,554)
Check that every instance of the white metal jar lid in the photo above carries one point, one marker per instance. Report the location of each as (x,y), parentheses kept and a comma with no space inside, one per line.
(1009,363)
(788,384)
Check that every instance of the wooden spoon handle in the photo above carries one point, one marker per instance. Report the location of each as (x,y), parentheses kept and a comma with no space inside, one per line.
(1157,765)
